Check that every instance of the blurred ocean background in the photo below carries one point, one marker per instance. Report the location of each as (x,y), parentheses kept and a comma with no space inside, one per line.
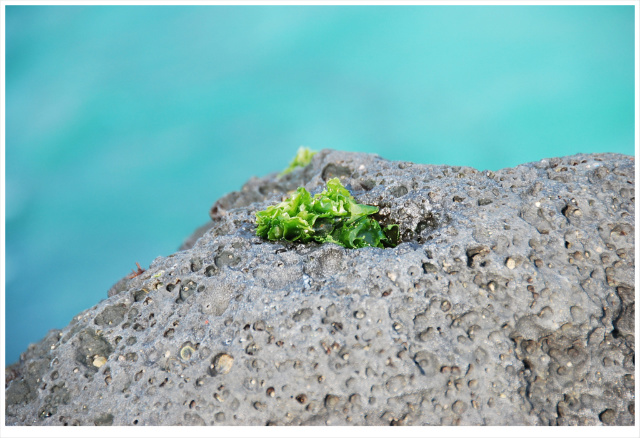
(125,124)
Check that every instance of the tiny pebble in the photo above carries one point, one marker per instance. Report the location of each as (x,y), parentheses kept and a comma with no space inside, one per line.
(98,361)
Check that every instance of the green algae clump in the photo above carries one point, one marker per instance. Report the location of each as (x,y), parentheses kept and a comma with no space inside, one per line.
(303,158)
(332,216)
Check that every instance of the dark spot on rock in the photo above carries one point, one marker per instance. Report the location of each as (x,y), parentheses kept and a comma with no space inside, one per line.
(187,289)
(139,295)
(335,171)
(367,184)
(608,416)
(210,271)
(398,191)
(429,268)
(226,258)
(196,264)
(104,420)
(392,235)
(111,315)
(484,201)
(271,187)
(252,349)
(331,401)
(428,222)
(59,395)
(91,345)
(475,254)
(47,411)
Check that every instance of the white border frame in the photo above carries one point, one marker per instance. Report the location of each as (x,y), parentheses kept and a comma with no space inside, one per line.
(310,431)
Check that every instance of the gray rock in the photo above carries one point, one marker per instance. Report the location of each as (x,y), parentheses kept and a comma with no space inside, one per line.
(510,301)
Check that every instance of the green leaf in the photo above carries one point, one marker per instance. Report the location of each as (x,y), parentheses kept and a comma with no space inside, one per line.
(332,216)
(303,158)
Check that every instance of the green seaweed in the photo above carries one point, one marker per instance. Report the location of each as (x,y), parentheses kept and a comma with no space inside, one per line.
(303,158)
(332,216)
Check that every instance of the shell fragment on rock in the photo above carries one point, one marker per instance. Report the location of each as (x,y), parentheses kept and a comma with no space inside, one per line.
(221,364)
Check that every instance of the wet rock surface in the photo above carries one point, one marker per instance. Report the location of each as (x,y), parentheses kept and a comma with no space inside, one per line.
(510,301)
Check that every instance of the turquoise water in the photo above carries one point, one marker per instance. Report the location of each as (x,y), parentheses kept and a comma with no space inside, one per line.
(125,124)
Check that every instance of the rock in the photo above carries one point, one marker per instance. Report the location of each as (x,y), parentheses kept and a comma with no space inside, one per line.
(608,416)
(509,301)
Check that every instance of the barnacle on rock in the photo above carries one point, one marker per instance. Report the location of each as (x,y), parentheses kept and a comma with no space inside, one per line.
(187,351)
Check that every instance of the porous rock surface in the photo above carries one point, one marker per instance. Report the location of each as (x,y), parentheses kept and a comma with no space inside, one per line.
(510,301)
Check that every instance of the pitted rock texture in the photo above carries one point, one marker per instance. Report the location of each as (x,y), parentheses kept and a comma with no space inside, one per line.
(510,301)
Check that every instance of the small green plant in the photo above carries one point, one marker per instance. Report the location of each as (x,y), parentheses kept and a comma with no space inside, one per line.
(302,159)
(331,216)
